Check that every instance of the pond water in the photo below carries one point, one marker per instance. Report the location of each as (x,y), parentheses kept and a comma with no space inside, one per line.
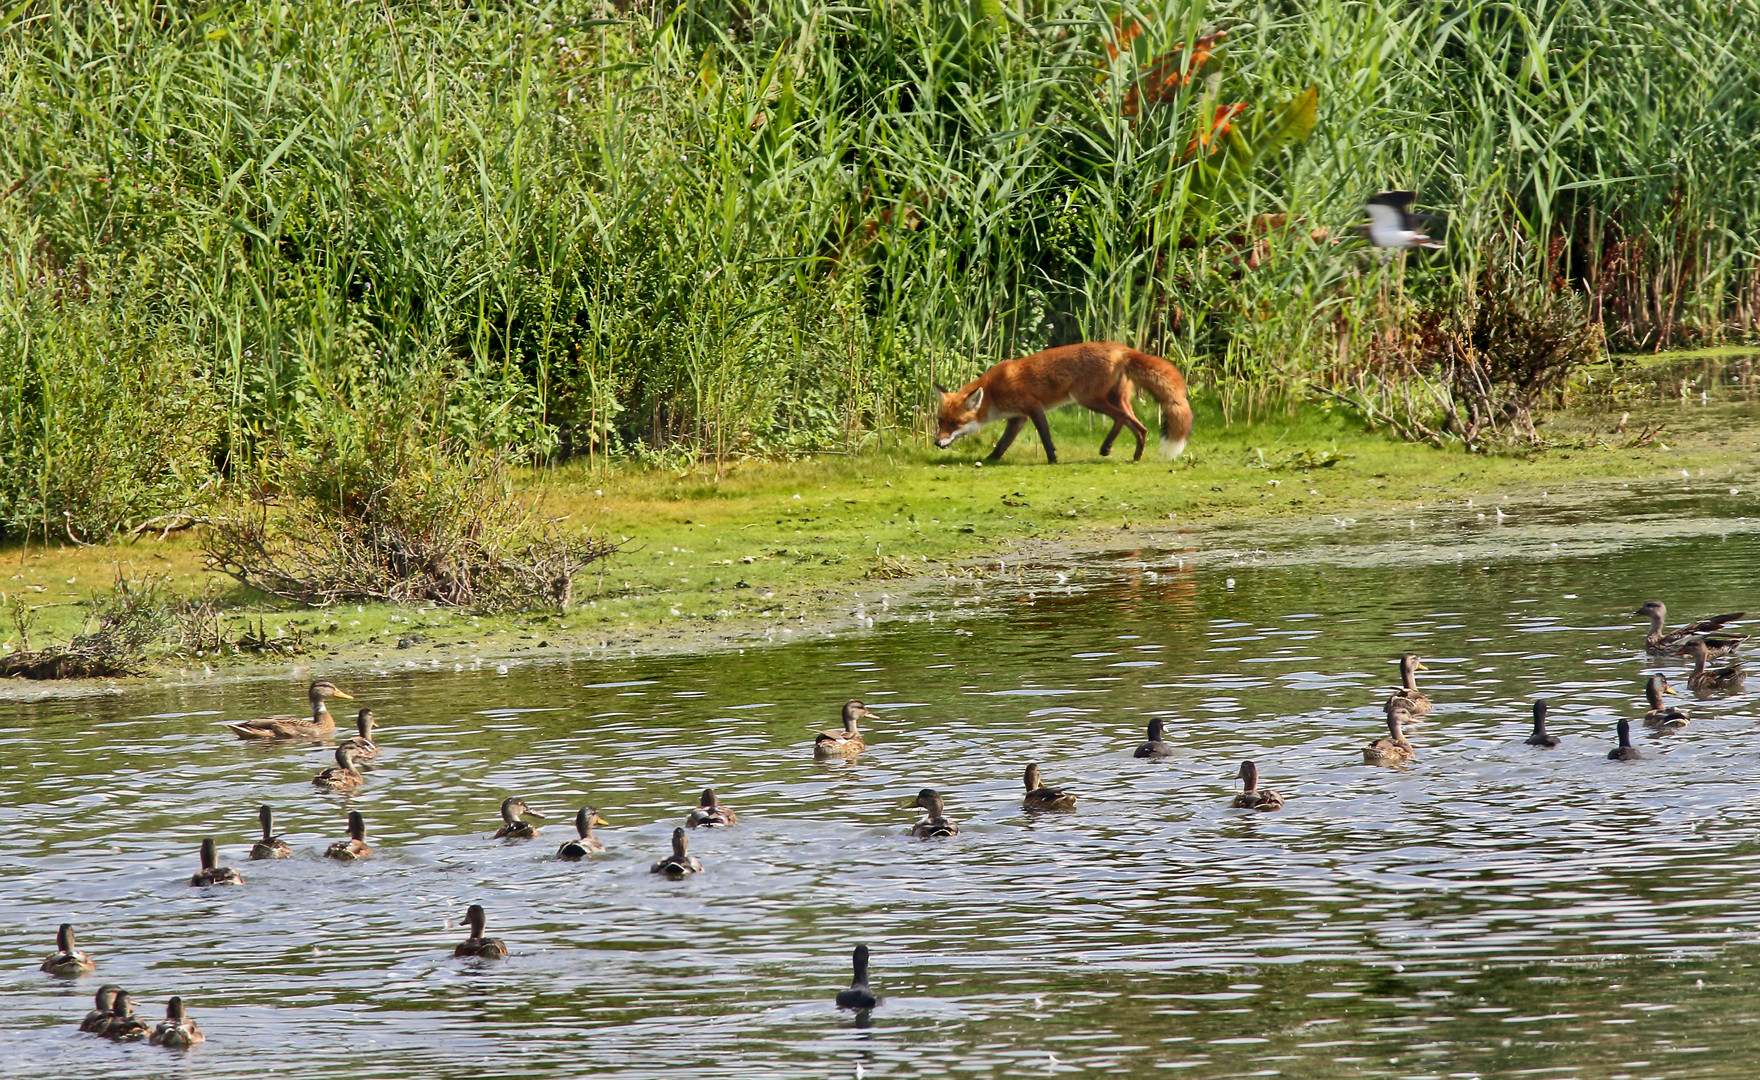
(1489,910)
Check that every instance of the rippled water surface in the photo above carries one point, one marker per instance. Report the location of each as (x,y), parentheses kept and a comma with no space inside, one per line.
(1490,910)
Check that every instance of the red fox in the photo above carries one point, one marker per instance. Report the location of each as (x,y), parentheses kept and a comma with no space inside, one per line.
(1097,375)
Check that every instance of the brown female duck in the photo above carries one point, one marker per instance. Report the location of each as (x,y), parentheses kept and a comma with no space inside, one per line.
(67,960)
(365,749)
(355,847)
(123,1025)
(177,1030)
(1040,797)
(1417,703)
(98,1017)
(1723,680)
(847,741)
(212,874)
(342,776)
(478,944)
(320,726)
(513,823)
(681,861)
(1394,749)
(710,813)
(1659,642)
(1252,796)
(586,844)
(937,825)
(270,846)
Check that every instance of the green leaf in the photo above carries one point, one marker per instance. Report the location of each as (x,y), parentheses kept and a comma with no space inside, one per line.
(1292,124)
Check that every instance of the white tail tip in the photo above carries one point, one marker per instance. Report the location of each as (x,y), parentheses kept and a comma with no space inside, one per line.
(1172,448)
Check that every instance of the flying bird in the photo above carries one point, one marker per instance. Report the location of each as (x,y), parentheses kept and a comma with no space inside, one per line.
(1392,223)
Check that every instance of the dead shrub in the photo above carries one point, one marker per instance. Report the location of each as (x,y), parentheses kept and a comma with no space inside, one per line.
(123,626)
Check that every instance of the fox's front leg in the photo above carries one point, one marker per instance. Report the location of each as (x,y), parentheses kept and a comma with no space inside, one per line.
(1015,423)
(1043,426)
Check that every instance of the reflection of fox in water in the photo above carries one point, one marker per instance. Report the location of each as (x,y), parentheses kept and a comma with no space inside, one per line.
(1097,375)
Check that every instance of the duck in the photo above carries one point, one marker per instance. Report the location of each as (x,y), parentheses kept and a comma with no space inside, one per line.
(1660,643)
(1040,797)
(1252,796)
(270,846)
(710,814)
(212,874)
(320,726)
(104,999)
(847,741)
(1625,751)
(487,948)
(1662,716)
(681,861)
(123,1025)
(355,847)
(858,996)
(1394,750)
(67,960)
(1714,680)
(365,749)
(513,825)
(177,1030)
(342,776)
(937,825)
(587,843)
(1539,737)
(1154,749)
(1417,702)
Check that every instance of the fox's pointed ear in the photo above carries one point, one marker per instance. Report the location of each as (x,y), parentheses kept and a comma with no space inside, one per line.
(976,399)
(939,389)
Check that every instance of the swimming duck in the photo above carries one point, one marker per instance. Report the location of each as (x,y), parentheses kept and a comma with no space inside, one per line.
(1540,738)
(1252,796)
(1659,643)
(176,1030)
(513,827)
(123,1025)
(1417,703)
(292,727)
(1715,680)
(710,814)
(270,846)
(1662,716)
(67,960)
(488,948)
(936,825)
(846,742)
(858,996)
(365,749)
(681,861)
(587,844)
(1394,750)
(1040,797)
(1154,749)
(98,1017)
(342,776)
(214,875)
(355,847)
(1625,751)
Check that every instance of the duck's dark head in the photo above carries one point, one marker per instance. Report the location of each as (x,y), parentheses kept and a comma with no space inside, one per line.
(1540,714)
(119,1005)
(854,710)
(64,938)
(680,844)
(1653,609)
(357,826)
(174,1010)
(930,799)
(1624,730)
(345,758)
(323,690)
(267,817)
(475,919)
(364,723)
(1031,778)
(208,855)
(707,801)
(860,959)
(1156,728)
(585,819)
(1248,775)
(1409,665)
(105,999)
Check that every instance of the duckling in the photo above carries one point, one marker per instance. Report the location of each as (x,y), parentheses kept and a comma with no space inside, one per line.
(710,814)
(67,961)
(513,827)
(123,1025)
(1662,716)
(355,847)
(488,948)
(1417,704)
(270,846)
(214,875)
(588,844)
(1625,751)
(98,1017)
(342,776)
(1252,796)
(858,996)
(847,742)
(1718,680)
(1540,738)
(1040,797)
(1394,750)
(681,861)
(365,749)
(1658,643)
(292,727)
(1154,749)
(936,825)
(177,1030)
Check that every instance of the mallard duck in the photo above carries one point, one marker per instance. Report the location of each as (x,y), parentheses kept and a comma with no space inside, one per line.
(488,948)
(270,846)
(1417,704)
(355,847)
(1714,681)
(1625,751)
(212,874)
(365,749)
(1252,797)
(710,814)
(936,825)
(587,843)
(293,727)
(342,776)
(1154,749)
(1394,750)
(513,827)
(1662,716)
(858,996)
(681,861)
(176,1030)
(1660,643)
(123,1025)
(1539,737)
(67,961)
(98,1017)
(846,742)
(1040,797)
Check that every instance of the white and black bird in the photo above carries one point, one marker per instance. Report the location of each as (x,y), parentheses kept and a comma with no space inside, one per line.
(1392,223)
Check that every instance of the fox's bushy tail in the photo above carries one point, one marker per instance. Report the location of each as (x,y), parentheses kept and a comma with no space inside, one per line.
(1168,386)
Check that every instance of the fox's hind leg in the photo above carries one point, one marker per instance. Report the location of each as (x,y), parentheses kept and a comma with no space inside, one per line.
(1117,404)
(1015,423)
(1111,436)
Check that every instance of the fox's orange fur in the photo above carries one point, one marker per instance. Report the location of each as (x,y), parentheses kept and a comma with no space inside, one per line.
(1097,375)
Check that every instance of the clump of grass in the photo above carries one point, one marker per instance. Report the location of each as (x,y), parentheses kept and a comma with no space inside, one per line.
(124,628)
